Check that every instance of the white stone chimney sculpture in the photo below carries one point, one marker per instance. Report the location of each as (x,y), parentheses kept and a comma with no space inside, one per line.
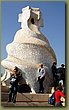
(30,48)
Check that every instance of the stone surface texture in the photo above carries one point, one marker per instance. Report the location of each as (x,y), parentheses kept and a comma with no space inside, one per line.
(30,48)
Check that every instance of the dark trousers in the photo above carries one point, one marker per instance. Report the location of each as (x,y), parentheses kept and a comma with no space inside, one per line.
(41,88)
(12,94)
(59,104)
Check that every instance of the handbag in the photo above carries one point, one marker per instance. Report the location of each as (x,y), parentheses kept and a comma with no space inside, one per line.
(51,100)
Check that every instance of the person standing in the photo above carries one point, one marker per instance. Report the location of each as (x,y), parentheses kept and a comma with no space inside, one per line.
(54,69)
(58,94)
(14,79)
(63,73)
(54,73)
(41,77)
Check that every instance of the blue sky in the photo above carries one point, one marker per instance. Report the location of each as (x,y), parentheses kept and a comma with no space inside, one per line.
(53,14)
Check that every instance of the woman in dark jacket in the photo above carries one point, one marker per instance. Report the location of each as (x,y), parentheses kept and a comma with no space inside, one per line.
(14,80)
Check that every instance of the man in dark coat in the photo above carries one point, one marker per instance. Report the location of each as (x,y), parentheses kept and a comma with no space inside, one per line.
(54,72)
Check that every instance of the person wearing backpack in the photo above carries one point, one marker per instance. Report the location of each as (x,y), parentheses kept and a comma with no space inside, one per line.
(58,94)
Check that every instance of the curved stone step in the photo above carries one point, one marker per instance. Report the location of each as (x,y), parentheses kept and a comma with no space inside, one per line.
(26,97)
(22,104)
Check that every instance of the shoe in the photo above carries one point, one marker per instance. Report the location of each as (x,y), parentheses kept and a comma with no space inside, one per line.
(39,92)
(42,92)
(9,101)
(14,101)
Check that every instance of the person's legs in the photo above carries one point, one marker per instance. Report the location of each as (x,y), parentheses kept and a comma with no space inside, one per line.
(58,104)
(14,94)
(10,95)
(41,85)
(39,80)
(42,88)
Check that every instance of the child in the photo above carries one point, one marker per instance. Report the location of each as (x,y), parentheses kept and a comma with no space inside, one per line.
(58,94)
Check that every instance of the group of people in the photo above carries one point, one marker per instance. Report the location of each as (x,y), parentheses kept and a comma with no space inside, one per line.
(58,74)
(14,82)
(16,75)
(58,83)
(15,78)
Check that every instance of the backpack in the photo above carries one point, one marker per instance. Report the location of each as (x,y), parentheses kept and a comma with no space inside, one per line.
(51,100)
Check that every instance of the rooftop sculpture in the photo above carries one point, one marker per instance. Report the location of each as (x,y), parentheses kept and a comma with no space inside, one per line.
(29,48)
